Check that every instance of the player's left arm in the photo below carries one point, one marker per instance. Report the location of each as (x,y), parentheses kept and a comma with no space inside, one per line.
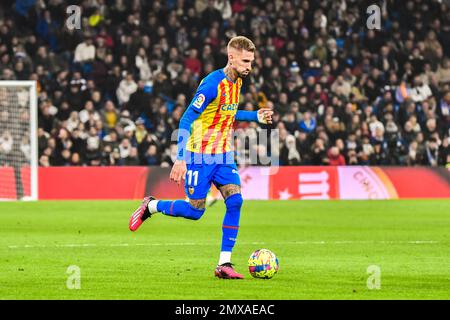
(263,115)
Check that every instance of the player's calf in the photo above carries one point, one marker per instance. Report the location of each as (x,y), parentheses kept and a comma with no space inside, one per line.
(178,208)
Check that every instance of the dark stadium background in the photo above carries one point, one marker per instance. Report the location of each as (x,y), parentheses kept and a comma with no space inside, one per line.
(112,92)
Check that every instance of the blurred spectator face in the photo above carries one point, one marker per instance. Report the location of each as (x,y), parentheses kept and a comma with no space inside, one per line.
(419,137)
(307,116)
(319,144)
(109,59)
(181,99)
(349,108)
(317,88)
(294,107)
(193,53)
(66,154)
(96,96)
(48,151)
(379,134)
(109,106)
(89,106)
(310,81)
(4,116)
(352,157)
(177,113)
(377,148)
(431,124)
(283,133)
(408,126)
(98,125)
(303,100)
(329,111)
(152,150)
(133,152)
(74,89)
(433,145)
(90,84)
(51,143)
(44,161)
(75,159)
(75,133)
(93,132)
(19,66)
(447,98)
(63,134)
(128,131)
(125,143)
(268,62)
(290,117)
(113,136)
(275,73)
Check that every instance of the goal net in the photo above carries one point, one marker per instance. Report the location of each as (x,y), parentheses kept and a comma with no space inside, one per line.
(18,140)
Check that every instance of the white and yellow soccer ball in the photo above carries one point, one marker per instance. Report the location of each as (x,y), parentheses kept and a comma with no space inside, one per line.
(263,264)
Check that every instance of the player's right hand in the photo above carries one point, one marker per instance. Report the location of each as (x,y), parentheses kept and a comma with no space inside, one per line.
(178,171)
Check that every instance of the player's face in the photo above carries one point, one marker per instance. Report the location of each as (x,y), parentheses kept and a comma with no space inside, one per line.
(242,62)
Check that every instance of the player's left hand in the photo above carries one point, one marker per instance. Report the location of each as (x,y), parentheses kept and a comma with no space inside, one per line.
(265,115)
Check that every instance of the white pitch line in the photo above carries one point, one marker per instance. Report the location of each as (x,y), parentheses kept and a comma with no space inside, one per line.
(151,244)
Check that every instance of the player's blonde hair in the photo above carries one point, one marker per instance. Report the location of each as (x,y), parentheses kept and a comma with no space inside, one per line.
(241,43)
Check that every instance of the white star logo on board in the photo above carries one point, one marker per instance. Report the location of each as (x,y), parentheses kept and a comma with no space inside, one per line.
(284,195)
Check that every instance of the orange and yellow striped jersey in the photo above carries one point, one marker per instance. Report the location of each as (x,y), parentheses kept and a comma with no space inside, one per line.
(217,100)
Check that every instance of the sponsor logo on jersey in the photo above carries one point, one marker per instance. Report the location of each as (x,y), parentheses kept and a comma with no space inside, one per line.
(199,101)
(229,107)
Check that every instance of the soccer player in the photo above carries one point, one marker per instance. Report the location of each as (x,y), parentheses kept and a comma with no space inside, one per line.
(205,153)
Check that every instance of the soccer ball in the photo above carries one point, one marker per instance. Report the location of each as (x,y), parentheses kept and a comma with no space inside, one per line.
(263,264)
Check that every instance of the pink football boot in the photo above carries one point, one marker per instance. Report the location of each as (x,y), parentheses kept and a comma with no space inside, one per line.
(226,271)
(140,215)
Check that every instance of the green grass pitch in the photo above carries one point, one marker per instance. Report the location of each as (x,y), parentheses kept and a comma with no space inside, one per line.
(324,249)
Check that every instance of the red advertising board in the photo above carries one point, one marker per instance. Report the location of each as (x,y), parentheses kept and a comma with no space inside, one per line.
(92,182)
(304,183)
(274,183)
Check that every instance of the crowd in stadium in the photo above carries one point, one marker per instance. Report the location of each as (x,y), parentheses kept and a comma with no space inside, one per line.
(113,91)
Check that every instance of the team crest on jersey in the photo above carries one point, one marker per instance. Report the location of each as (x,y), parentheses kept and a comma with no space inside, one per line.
(191,190)
(199,101)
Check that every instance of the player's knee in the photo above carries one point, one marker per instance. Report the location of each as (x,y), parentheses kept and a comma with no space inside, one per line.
(234,202)
(194,213)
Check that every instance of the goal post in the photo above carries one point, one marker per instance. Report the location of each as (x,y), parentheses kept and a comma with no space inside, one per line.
(18,140)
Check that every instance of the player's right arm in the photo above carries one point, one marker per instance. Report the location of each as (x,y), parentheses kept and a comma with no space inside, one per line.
(263,115)
(206,92)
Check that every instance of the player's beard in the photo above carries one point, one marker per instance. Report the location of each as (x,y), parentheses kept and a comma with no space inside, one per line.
(243,75)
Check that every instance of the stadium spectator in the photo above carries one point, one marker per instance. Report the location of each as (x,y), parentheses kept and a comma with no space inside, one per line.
(126,88)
